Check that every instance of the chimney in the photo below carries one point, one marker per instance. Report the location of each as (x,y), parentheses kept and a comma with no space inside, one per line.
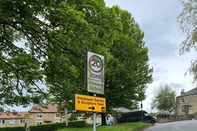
(182,91)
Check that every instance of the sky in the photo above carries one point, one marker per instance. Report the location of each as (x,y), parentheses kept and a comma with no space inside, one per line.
(163,36)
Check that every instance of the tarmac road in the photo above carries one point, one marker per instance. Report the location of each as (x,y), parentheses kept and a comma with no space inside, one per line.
(189,125)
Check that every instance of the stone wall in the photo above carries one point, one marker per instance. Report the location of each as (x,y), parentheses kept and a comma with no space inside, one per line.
(44,119)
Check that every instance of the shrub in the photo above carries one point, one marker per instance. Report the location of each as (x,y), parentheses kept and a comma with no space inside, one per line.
(163,114)
(47,127)
(72,117)
(12,129)
(56,126)
(76,124)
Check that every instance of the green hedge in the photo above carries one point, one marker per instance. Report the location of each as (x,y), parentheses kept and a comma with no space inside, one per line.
(47,127)
(12,129)
(76,124)
(56,126)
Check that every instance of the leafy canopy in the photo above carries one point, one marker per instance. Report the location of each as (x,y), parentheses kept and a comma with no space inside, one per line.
(164,99)
(188,23)
(46,42)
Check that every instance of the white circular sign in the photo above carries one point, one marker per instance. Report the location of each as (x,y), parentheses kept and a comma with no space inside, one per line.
(95,63)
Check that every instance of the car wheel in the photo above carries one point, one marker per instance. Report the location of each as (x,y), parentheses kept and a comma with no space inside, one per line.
(153,122)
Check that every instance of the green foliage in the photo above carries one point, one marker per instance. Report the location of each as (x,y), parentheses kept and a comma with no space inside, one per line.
(47,127)
(12,128)
(72,117)
(165,99)
(127,71)
(136,126)
(19,74)
(47,42)
(57,126)
(153,114)
(76,124)
(187,20)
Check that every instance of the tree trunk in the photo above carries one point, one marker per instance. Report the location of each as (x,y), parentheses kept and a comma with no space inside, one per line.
(103,119)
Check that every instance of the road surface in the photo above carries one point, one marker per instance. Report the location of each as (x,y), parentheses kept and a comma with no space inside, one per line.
(190,125)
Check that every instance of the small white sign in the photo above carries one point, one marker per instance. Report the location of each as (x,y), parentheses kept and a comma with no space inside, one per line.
(95,73)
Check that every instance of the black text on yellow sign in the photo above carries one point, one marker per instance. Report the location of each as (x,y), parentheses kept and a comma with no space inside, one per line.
(90,103)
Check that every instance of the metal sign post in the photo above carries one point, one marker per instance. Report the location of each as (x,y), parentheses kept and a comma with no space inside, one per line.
(94,120)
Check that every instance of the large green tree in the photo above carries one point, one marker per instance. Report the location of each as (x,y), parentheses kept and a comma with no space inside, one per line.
(46,42)
(164,99)
(188,23)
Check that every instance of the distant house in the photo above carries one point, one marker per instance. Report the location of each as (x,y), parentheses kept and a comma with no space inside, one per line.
(38,115)
(12,119)
(187,102)
(41,115)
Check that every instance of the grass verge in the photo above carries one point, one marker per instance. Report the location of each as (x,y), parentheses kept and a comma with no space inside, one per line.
(137,126)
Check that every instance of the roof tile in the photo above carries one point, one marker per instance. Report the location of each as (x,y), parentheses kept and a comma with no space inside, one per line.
(50,108)
(19,115)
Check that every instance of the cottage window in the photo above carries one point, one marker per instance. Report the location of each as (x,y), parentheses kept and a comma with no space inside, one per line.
(182,100)
(39,122)
(2,121)
(39,115)
(57,115)
(182,109)
(11,121)
(21,121)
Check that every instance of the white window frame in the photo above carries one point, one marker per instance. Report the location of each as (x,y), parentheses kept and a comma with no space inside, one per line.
(11,121)
(39,115)
(182,100)
(2,121)
(57,115)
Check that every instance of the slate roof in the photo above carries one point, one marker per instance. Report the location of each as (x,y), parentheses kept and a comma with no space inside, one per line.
(190,92)
(19,115)
(50,108)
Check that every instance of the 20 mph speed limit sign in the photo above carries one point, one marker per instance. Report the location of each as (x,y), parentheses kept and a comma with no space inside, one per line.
(95,73)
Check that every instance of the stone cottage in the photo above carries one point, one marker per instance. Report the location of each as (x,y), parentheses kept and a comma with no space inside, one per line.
(186,102)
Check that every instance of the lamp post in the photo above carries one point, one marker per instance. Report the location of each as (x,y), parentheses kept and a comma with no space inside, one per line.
(141,97)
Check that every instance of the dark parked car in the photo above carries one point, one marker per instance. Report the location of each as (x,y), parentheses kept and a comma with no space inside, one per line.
(136,116)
